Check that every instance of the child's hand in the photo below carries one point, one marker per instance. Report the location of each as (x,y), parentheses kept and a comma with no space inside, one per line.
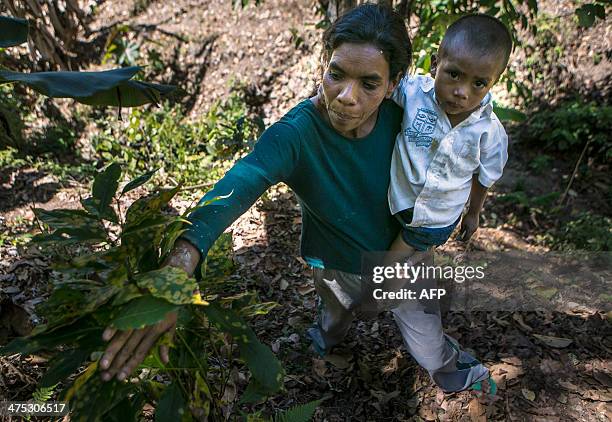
(469,225)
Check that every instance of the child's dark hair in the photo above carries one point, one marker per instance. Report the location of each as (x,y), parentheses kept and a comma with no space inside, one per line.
(482,33)
(375,24)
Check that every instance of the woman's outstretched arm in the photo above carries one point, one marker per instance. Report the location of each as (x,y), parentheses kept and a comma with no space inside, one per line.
(273,159)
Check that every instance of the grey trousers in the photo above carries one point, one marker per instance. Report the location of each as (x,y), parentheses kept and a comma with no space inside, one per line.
(451,368)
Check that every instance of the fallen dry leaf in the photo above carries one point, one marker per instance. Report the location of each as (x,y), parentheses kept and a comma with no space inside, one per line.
(503,372)
(568,385)
(339,361)
(598,395)
(528,394)
(284,284)
(550,366)
(476,411)
(556,342)
(305,289)
(319,367)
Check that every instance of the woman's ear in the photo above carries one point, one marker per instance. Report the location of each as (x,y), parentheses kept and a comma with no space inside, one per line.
(392,84)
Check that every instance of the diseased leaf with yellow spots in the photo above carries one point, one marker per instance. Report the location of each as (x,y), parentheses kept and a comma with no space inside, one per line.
(169,283)
(67,304)
(145,207)
(95,397)
(80,381)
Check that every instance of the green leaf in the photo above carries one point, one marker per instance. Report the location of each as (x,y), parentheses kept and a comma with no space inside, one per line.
(105,186)
(13,31)
(171,234)
(66,364)
(106,88)
(172,405)
(146,225)
(97,261)
(142,311)
(169,283)
(64,218)
(71,226)
(95,398)
(128,409)
(92,205)
(67,304)
(257,309)
(300,413)
(218,263)
(142,241)
(533,5)
(92,234)
(43,394)
(586,16)
(508,114)
(264,366)
(599,10)
(143,208)
(130,94)
(71,84)
(47,340)
(254,393)
(139,181)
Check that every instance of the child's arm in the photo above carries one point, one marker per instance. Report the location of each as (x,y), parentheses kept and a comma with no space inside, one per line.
(469,223)
(493,158)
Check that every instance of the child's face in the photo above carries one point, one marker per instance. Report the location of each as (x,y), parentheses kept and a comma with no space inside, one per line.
(463,79)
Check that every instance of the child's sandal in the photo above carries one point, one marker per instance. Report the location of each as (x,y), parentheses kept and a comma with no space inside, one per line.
(486,387)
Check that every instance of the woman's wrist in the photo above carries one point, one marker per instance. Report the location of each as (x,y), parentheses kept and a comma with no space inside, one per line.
(183,255)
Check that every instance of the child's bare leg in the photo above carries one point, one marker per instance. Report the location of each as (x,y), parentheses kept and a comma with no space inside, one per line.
(400,251)
(400,246)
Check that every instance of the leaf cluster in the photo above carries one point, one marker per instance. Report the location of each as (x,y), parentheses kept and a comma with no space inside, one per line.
(122,283)
(195,151)
(568,127)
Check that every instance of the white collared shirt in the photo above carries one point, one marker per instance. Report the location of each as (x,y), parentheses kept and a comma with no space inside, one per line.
(433,163)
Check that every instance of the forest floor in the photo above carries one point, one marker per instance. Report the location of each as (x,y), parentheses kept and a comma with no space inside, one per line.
(271,50)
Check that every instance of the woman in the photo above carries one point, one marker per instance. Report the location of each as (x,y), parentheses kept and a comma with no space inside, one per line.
(334,150)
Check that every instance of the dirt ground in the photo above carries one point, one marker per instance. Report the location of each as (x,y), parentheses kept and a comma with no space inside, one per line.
(272,51)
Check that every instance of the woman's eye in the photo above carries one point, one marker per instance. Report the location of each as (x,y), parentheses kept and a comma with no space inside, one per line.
(369,86)
(335,76)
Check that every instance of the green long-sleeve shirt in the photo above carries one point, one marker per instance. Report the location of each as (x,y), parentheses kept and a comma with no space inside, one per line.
(341,184)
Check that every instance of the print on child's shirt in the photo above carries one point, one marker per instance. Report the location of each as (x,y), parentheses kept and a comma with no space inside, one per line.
(423,126)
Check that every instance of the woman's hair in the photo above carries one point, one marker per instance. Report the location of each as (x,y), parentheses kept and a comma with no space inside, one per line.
(372,24)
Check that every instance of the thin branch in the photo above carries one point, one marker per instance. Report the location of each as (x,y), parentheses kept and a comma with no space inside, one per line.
(569,184)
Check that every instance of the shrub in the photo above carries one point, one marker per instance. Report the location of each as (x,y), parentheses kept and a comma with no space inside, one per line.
(568,127)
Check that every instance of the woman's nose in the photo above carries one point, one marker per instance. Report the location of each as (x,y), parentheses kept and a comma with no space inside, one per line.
(348,94)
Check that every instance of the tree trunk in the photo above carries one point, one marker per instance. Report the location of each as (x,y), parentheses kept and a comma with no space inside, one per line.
(11,128)
(54,25)
(335,8)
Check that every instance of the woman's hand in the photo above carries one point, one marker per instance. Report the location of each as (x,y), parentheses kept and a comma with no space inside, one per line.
(127,349)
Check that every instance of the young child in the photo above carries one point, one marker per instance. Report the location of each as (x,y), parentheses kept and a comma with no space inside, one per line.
(452,146)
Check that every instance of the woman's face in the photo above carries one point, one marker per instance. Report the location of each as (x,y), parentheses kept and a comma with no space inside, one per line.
(355,83)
